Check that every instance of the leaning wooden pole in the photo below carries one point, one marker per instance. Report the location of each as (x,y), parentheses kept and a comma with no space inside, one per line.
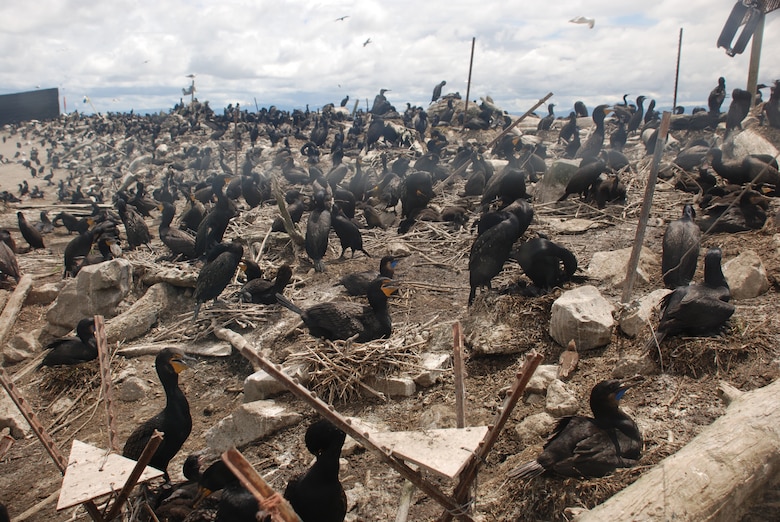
(459,372)
(647,203)
(755,59)
(677,69)
(468,82)
(14,306)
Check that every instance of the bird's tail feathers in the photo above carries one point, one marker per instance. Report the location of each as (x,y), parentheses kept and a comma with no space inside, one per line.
(282,300)
(528,470)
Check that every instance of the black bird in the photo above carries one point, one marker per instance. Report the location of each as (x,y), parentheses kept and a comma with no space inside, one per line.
(717,95)
(580,109)
(681,244)
(357,283)
(493,246)
(568,129)
(738,109)
(317,231)
(416,193)
(9,266)
(437,90)
(236,503)
(318,496)
(744,171)
(590,446)
(214,224)
(8,239)
(29,232)
(546,122)
(348,233)
(583,179)
(698,309)
(174,421)
(344,101)
(191,218)
(73,350)
(179,242)
(258,290)
(294,207)
(45,226)
(638,114)
(77,249)
(592,146)
(135,227)
(345,319)
(4,513)
(71,222)
(221,264)
(541,261)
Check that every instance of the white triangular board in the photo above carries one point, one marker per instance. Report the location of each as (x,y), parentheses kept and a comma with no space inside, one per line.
(445,451)
(90,474)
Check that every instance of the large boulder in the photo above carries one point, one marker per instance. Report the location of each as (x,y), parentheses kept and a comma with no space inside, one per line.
(584,315)
(746,275)
(250,422)
(553,184)
(611,267)
(96,290)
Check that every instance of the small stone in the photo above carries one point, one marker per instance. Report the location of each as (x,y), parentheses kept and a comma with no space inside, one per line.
(399,249)
(560,400)
(637,316)
(535,427)
(434,366)
(746,276)
(393,386)
(584,315)
(132,389)
(542,377)
(631,365)
(261,385)
(44,294)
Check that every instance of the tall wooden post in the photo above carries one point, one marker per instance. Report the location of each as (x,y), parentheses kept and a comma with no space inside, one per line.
(677,70)
(468,83)
(755,58)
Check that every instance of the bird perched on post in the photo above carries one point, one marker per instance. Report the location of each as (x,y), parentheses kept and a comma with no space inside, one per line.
(437,90)
(680,249)
(221,264)
(174,421)
(590,446)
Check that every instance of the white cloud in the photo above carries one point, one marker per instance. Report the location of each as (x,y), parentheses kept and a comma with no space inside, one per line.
(136,54)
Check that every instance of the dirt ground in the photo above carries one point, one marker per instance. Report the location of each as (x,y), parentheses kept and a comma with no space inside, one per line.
(671,407)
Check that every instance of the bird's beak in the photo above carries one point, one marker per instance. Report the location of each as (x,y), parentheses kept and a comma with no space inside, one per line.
(608,111)
(202,494)
(242,266)
(388,288)
(159,207)
(625,384)
(182,362)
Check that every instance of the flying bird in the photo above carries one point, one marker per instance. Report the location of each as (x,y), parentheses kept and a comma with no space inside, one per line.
(584,20)
(368,41)
(341,18)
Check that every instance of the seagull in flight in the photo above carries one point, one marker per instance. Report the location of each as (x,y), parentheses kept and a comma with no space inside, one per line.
(368,41)
(584,20)
(341,18)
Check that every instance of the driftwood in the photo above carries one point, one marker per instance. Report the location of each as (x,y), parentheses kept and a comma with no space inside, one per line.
(140,317)
(13,307)
(713,478)
(166,274)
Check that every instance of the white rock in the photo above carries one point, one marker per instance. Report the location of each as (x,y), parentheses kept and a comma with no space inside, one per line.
(584,315)
(561,401)
(250,422)
(746,275)
(433,367)
(393,386)
(750,142)
(534,427)
(636,318)
(485,337)
(542,378)
(11,417)
(610,267)
(44,294)
(261,385)
(631,365)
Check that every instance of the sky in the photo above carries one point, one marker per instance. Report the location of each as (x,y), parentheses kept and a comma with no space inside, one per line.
(136,54)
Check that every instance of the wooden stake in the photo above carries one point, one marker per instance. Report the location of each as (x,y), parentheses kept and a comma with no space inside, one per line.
(146,455)
(459,371)
(407,492)
(677,70)
(104,358)
(647,203)
(14,306)
(255,484)
(755,59)
(468,82)
(289,226)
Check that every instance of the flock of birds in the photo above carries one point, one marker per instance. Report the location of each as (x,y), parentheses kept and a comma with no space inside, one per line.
(424,155)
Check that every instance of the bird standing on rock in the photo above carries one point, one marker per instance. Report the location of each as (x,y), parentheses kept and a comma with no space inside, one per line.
(221,264)
(590,446)
(174,421)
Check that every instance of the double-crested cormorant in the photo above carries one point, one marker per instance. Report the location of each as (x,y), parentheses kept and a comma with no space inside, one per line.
(680,249)
(9,266)
(348,232)
(44,226)
(738,109)
(437,90)
(592,146)
(174,421)
(416,193)
(191,218)
(568,129)
(73,350)
(493,246)
(344,101)
(236,503)
(580,109)
(135,227)
(546,122)
(318,496)
(357,283)
(590,446)
(258,290)
(29,232)
(637,115)
(77,249)
(294,207)
(317,231)
(345,319)
(698,309)
(178,241)
(541,261)
(8,239)
(4,513)
(772,106)
(584,178)
(213,226)
(717,95)
(221,264)
(750,168)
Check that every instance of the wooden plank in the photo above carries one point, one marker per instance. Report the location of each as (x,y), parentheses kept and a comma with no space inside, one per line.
(91,474)
(13,307)
(442,451)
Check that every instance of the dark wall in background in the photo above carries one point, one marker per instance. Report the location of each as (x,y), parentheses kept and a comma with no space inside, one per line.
(41,104)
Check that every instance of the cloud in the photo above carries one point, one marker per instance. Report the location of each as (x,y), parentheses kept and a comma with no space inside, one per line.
(135,54)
